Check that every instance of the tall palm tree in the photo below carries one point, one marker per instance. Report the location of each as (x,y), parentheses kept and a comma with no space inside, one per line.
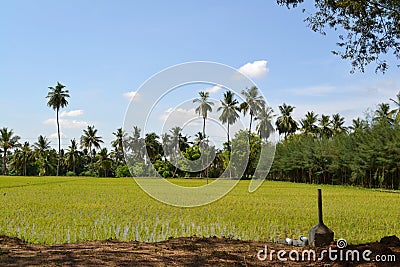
(325,129)
(46,162)
(308,123)
(41,146)
(204,107)
(384,114)
(23,156)
(358,125)
(337,124)
(72,156)
(90,139)
(7,141)
(176,135)
(199,138)
(118,144)
(153,146)
(253,103)
(264,127)
(229,109)
(166,143)
(136,144)
(397,109)
(58,99)
(202,142)
(175,140)
(285,122)
(103,163)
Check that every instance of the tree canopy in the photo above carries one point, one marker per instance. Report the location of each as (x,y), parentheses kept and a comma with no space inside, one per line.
(371,28)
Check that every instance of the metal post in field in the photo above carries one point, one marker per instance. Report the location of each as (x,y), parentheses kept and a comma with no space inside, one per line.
(320,235)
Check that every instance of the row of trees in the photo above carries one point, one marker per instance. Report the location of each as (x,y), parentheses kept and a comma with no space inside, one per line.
(323,150)
(316,149)
(40,159)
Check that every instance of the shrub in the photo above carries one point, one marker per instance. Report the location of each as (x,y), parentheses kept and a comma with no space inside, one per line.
(122,171)
(87,173)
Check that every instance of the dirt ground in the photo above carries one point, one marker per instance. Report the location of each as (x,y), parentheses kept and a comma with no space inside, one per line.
(185,251)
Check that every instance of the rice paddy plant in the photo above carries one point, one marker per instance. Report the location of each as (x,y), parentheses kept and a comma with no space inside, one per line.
(50,210)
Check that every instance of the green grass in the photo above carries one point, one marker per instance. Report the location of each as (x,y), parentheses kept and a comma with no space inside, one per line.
(51,210)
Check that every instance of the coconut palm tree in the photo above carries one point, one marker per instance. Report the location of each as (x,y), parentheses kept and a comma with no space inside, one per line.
(58,99)
(175,140)
(41,146)
(204,107)
(397,109)
(22,157)
(337,124)
(325,129)
(229,109)
(176,136)
(264,127)
(153,146)
(7,141)
(308,124)
(46,162)
(253,103)
(358,125)
(285,122)
(203,143)
(118,144)
(166,143)
(89,139)
(103,163)
(383,114)
(199,138)
(73,155)
(136,144)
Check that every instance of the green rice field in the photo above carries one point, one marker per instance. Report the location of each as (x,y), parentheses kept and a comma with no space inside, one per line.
(53,210)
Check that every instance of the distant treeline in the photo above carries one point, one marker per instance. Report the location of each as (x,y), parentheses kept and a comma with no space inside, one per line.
(316,149)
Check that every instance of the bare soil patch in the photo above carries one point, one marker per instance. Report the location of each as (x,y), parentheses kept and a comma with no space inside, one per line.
(185,251)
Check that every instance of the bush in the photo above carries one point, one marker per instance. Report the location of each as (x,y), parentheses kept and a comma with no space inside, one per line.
(122,171)
(166,174)
(70,173)
(87,173)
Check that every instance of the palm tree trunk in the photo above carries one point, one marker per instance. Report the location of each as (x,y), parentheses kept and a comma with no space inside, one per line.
(59,145)
(25,167)
(176,162)
(229,147)
(91,158)
(202,158)
(251,120)
(204,127)
(5,161)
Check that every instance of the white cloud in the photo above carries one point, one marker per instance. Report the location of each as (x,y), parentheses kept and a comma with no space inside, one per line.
(55,135)
(72,113)
(214,89)
(257,69)
(69,124)
(184,118)
(179,113)
(315,90)
(131,95)
(350,101)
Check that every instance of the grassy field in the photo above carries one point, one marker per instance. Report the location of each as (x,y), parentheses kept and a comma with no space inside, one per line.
(51,210)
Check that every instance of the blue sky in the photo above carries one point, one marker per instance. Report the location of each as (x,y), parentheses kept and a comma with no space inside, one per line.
(102,50)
